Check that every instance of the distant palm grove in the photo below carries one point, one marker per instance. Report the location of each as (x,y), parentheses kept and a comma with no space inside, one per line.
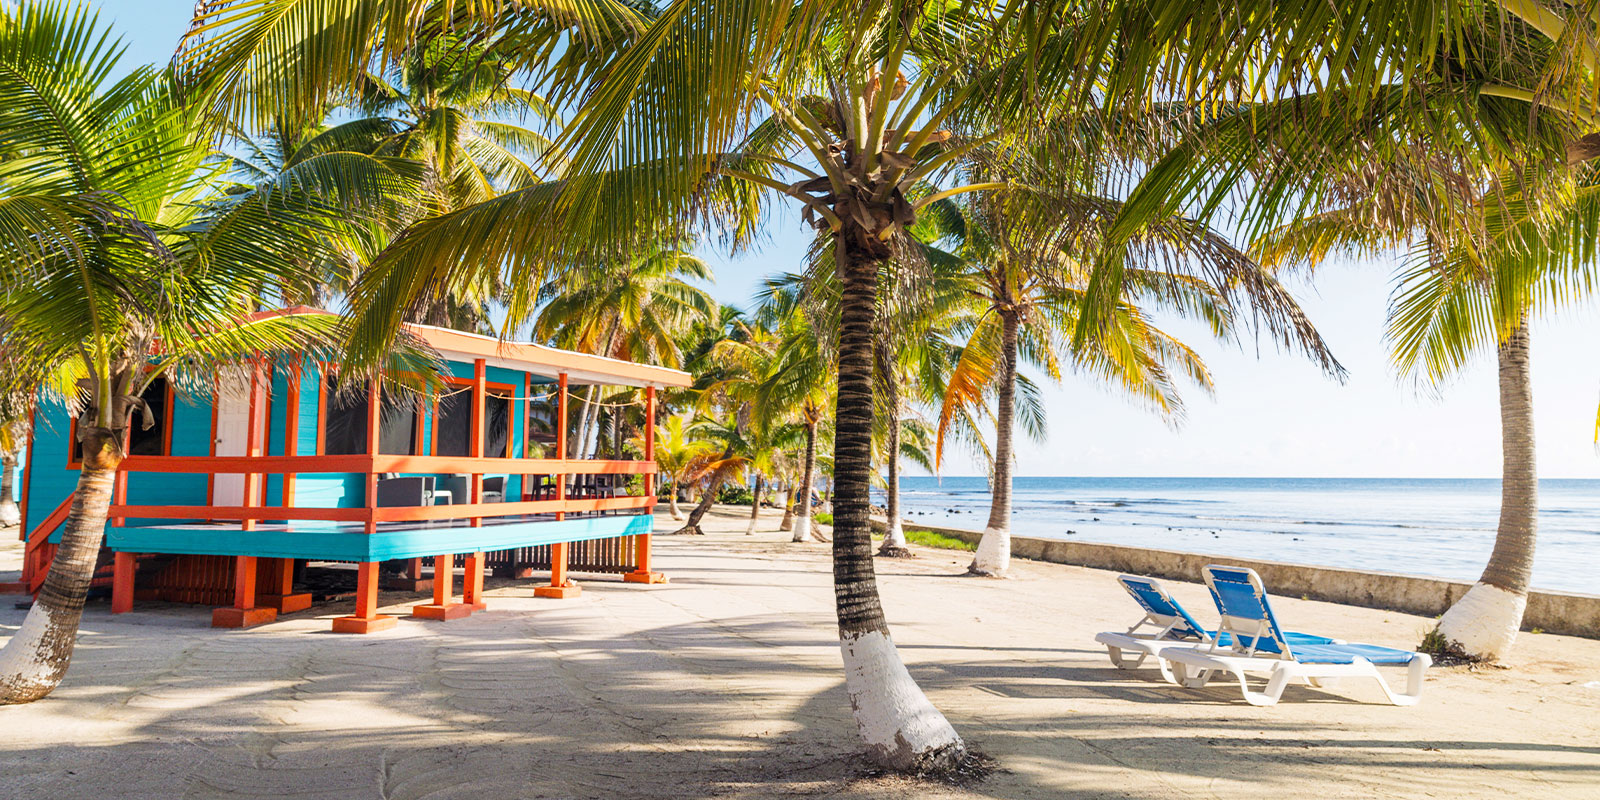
(997,195)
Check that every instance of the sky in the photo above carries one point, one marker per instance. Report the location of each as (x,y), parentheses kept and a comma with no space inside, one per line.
(1274,413)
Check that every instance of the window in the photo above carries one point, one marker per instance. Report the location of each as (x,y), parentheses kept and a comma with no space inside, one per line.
(344,420)
(141,442)
(452,422)
(152,442)
(344,424)
(497,426)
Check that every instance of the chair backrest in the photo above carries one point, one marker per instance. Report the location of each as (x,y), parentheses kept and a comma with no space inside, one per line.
(1162,610)
(1241,599)
(495,484)
(404,491)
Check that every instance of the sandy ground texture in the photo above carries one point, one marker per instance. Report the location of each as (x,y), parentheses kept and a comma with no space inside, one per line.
(726,683)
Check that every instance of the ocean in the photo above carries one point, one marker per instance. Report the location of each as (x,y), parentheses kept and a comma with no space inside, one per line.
(1439,527)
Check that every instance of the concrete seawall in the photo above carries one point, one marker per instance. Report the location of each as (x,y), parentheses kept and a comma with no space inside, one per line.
(1554,612)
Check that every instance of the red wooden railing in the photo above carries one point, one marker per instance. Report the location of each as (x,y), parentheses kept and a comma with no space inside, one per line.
(372,465)
(38,552)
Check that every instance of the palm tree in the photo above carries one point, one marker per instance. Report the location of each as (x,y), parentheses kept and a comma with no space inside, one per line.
(123,264)
(638,310)
(841,106)
(1027,288)
(678,453)
(799,376)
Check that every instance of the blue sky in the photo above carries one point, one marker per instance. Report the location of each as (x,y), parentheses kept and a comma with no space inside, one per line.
(1274,414)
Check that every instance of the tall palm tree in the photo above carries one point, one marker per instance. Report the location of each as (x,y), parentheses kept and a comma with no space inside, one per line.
(839,105)
(123,263)
(637,310)
(1026,290)
(799,378)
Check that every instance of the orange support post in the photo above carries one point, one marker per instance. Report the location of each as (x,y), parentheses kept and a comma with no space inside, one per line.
(244,612)
(122,569)
(561,441)
(374,420)
(278,578)
(291,430)
(480,397)
(560,586)
(252,447)
(472,584)
(444,569)
(366,619)
(641,543)
(411,580)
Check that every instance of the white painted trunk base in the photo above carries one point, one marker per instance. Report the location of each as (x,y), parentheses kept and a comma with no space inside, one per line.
(21,666)
(1484,622)
(896,537)
(802,529)
(901,727)
(994,553)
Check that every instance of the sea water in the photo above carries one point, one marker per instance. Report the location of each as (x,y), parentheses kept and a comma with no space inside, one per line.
(1438,527)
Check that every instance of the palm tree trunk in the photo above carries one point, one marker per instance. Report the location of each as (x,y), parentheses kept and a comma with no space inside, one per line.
(755,507)
(707,497)
(33,663)
(1483,624)
(993,558)
(902,729)
(894,536)
(787,524)
(802,522)
(9,515)
(672,502)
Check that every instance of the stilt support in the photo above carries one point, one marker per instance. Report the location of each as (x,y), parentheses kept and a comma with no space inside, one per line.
(641,558)
(277,576)
(409,581)
(472,583)
(443,607)
(560,587)
(244,613)
(122,569)
(366,619)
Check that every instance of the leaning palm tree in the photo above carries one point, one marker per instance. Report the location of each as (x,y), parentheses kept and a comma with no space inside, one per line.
(122,263)
(799,377)
(677,452)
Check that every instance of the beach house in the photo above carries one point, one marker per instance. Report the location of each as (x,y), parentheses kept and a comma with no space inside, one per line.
(226,497)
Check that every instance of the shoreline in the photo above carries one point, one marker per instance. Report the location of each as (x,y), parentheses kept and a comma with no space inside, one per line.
(1570,613)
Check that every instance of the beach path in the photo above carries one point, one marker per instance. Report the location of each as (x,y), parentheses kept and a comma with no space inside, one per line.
(726,682)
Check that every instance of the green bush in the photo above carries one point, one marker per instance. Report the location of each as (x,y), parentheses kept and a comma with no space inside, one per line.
(735,496)
(823,517)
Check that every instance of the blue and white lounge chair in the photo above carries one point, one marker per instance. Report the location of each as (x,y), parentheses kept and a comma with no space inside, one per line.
(1257,645)
(1170,625)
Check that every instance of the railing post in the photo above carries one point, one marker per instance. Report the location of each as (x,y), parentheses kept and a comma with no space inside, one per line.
(561,442)
(374,423)
(641,542)
(252,438)
(522,425)
(291,430)
(480,397)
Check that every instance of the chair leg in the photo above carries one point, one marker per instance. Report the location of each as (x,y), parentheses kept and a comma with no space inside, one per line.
(1272,693)
(1122,663)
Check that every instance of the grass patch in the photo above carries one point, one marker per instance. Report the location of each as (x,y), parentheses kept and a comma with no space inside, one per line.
(939,540)
(823,517)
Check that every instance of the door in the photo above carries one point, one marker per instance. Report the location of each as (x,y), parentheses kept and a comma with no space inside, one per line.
(232,434)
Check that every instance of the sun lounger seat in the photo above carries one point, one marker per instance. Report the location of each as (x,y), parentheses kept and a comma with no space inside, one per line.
(1170,625)
(1258,646)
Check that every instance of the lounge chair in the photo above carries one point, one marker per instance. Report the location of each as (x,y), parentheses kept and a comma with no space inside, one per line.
(1257,645)
(1171,626)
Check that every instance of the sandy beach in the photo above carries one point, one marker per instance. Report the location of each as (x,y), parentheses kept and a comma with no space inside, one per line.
(726,683)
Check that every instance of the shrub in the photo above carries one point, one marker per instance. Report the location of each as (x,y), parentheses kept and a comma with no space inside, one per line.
(735,496)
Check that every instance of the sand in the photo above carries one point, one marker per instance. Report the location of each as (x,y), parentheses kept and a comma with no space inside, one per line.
(726,682)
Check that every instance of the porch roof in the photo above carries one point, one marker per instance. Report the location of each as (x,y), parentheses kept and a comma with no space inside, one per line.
(538,359)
